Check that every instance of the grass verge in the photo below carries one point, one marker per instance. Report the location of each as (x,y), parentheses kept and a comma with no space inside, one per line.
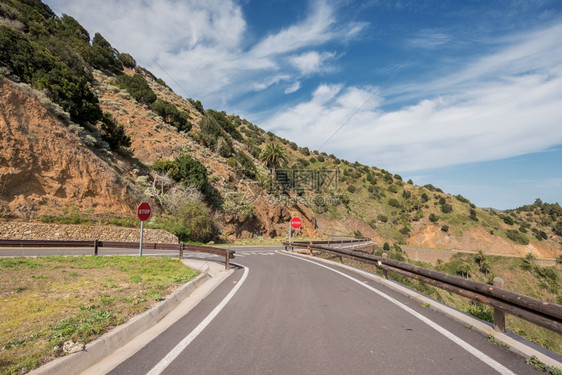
(49,300)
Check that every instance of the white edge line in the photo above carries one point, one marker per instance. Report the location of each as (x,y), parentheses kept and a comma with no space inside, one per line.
(176,351)
(457,340)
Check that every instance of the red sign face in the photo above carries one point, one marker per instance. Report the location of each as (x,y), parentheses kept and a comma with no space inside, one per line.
(296,222)
(144,211)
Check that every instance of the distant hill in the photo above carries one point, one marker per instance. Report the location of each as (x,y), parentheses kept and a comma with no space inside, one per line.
(87,132)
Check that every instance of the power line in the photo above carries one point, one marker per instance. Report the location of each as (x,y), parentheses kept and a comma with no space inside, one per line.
(362,105)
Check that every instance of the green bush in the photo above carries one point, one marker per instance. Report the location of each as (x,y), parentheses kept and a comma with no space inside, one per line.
(137,87)
(113,133)
(393,189)
(351,189)
(473,215)
(424,197)
(167,166)
(171,114)
(225,123)
(446,208)
(246,165)
(433,218)
(517,237)
(191,171)
(191,221)
(104,57)
(508,219)
(32,63)
(393,202)
(127,60)
(382,218)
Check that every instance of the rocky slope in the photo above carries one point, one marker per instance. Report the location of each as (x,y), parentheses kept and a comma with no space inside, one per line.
(50,167)
(46,168)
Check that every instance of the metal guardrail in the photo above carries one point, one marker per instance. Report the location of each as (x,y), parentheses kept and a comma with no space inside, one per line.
(545,314)
(96,244)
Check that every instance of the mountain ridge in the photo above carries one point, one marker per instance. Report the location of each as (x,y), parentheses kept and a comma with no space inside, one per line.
(145,140)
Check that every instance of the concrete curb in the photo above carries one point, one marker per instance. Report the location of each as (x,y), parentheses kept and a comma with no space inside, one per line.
(111,341)
(516,343)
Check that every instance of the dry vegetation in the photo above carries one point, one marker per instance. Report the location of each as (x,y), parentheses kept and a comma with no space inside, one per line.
(47,301)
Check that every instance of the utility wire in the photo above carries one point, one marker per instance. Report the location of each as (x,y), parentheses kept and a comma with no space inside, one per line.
(363,105)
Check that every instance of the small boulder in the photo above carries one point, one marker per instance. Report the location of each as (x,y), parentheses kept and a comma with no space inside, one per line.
(71,347)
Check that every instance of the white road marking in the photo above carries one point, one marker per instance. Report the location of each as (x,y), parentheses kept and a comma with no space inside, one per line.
(176,351)
(457,340)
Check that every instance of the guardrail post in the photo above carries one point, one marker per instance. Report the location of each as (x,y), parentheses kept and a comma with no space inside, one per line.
(95,247)
(227,262)
(385,271)
(499,315)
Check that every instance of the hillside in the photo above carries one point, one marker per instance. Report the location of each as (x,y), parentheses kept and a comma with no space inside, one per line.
(86,132)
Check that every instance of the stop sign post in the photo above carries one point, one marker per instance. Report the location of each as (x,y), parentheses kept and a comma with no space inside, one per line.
(295,223)
(143,212)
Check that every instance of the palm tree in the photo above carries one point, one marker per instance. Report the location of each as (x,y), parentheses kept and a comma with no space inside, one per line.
(274,156)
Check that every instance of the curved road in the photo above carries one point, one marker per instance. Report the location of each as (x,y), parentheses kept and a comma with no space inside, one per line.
(286,315)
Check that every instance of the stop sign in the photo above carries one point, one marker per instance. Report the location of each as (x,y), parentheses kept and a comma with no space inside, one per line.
(144,211)
(296,222)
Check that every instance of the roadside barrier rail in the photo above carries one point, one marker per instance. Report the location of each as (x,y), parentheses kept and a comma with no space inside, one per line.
(96,244)
(545,314)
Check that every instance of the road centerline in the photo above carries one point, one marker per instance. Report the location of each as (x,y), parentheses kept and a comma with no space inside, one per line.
(457,340)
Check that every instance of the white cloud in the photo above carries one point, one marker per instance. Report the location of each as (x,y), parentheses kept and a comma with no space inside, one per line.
(293,88)
(203,44)
(311,62)
(509,105)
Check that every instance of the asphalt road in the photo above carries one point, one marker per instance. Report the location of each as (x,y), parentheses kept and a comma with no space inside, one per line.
(285,315)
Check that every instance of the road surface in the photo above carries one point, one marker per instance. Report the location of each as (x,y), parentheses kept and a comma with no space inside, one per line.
(280,314)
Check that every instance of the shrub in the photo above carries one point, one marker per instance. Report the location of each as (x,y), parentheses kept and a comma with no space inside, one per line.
(191,221)
(446,208)
(386,246)
(247,167)
(113,134)
(393,202)
(137,87)
(127,60)
(382,218)
(321,159)
(433,218)
(424,197)
(393,189)
(104,57)
(473,215)
(429,187)
(225,123)
(517,237)
(351,189)
(508,219)
(191,171)
(406,194)
(445,228)
(171,114)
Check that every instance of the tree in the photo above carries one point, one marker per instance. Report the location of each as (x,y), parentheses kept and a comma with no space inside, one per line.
(274,156)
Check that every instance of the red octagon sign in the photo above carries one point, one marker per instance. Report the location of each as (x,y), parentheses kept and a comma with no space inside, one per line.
(144,211)
(296,222)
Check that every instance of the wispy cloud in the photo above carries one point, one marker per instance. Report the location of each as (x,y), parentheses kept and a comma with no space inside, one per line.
(311,62)
(429,39)
(293,88)
(203,44)
(509,105)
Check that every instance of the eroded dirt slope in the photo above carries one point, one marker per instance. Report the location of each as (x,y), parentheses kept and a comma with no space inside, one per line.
(45,168)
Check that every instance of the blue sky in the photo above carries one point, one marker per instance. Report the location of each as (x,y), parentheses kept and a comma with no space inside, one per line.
(465,95)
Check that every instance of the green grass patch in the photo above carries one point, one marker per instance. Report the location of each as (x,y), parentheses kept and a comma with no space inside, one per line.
(49,300)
